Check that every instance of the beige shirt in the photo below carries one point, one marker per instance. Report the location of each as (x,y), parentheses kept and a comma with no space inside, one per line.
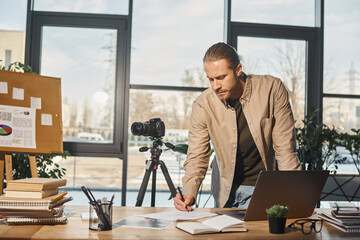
(267,110)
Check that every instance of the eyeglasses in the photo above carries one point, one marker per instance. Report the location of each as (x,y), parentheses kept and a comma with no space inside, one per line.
(307,225)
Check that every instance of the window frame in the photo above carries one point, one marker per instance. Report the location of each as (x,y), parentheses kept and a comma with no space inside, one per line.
(54,19)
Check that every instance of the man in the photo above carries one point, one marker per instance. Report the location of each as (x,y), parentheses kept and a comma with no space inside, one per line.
(249,121)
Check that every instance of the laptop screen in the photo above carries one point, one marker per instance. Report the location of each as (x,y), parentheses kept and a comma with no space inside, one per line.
(299,190)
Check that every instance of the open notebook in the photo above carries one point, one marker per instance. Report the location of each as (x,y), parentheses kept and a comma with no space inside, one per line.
(213,225)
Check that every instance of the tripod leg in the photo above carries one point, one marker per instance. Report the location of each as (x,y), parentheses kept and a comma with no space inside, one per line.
(153,188)
(168,178)
(149,168)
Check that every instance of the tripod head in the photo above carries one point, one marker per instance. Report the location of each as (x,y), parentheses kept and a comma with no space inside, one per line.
(156,147)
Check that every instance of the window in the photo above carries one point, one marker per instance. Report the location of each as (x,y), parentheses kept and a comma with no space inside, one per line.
(171,37)
(7,58)
(284,59)
(91,54)
(88,53)
(85,59)
(169,40)
(341,47)
(80,6)
(295,12)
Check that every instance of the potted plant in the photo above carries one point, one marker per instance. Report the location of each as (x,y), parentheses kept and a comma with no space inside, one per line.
(318,149)
(277,218)
(317,144)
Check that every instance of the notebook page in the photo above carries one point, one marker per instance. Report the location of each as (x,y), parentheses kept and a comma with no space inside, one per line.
(222,221)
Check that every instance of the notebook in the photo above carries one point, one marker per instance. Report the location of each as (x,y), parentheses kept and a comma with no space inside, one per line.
(31,204)
(36,221)
(299,190)
(213,225)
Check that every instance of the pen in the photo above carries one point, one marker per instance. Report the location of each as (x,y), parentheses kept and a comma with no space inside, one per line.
(182,197)
(111,201)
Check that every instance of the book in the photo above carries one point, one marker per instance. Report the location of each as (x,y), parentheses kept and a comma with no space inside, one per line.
(342,205)
(32,204)
(343,229)
(30,194)
(36,221)
(346,214)
(221,223)
(327,216)
(344,209)
(55,212)
(35,184)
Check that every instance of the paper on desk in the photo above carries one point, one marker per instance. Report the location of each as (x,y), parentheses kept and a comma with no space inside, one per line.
(143,222)
(179,215)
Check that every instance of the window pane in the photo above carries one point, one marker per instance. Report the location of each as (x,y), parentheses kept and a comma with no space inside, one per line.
(342,113)
(80,6)
(341,47)
(84,59)
(12,31)
(171,37)
(174,108)
(86,171)
(284,59)
(284,12)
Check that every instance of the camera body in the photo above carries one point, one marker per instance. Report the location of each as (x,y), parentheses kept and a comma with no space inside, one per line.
(155,128)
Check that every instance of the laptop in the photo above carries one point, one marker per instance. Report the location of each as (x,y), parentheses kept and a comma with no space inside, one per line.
(299,190)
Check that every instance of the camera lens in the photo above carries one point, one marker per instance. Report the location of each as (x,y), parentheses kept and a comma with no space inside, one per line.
(153,128)
(137,128)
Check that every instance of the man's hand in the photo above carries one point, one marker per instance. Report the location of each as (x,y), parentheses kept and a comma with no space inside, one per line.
(184,206)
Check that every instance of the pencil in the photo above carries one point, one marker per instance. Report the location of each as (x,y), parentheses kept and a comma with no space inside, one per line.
(58,197)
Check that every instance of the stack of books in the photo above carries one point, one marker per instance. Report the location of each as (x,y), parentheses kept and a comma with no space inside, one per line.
(343,216)
(31,205)
(35,188)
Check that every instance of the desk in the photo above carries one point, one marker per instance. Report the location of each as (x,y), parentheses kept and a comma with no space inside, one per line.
(78,229)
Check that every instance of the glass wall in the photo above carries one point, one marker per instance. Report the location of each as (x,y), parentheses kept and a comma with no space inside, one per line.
(284,59)
(169,39)
(341,102)
(341,47)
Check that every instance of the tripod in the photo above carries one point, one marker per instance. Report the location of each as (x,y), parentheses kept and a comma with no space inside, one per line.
(152,166)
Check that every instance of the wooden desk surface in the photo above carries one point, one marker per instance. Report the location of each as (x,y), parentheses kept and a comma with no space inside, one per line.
(78,229)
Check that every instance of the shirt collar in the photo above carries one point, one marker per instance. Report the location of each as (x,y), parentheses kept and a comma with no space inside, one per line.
(247,90)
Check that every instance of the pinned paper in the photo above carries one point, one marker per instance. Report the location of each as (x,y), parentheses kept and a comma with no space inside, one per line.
(18,93)
(17,128)
(46,119)
(3,87)
(35,103)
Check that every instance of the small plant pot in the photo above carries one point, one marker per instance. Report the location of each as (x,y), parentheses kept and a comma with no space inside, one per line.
(277,225)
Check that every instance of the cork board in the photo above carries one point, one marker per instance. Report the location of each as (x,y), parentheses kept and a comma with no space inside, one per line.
(34,95)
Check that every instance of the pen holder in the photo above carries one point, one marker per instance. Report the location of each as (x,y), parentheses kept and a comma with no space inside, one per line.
(100,216)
